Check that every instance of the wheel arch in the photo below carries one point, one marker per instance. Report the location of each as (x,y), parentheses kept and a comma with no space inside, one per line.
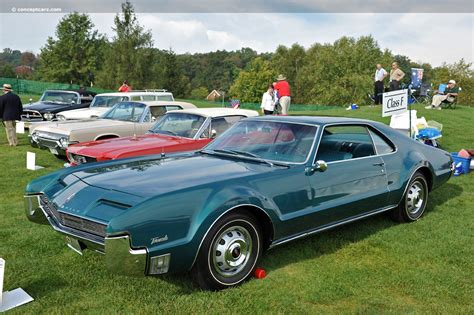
(106,136)
(263,218)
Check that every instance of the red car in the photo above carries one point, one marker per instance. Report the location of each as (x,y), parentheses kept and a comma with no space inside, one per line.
(177,131)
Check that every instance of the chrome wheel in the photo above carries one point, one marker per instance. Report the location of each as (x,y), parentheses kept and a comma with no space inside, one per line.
(231,251)
(415,198)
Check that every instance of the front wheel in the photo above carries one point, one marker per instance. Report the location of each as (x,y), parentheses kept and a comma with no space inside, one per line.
(229,252)
(414,201)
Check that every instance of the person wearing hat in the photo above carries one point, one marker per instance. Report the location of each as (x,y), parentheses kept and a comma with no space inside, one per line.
(449,94)
(283,90)
(10,111)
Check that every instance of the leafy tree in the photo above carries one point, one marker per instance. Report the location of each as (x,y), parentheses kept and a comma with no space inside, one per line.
(199,93)
(75,53)
(462,73)
(7,71)
(288,62)
(130,55)
(252,83)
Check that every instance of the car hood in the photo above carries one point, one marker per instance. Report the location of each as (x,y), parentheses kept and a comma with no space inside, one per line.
(149,177)
(69,126)
(119,146)
(84,113)
(47,107)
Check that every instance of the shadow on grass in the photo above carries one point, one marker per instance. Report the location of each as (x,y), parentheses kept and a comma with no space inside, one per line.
(45,286)
(443,194)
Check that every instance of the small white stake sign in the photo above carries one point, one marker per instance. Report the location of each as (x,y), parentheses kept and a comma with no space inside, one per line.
(11,299)
(31,161)
(20,127)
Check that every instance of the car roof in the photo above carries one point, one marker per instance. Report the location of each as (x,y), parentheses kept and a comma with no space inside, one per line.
(218,112)
(64,91)
(313,120)
(163,103)
(134,93)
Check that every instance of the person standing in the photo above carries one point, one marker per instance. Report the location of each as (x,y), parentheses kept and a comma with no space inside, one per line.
(125,87)
(284,97)
(10,111)
(268,101)
(396,76)
(380,75)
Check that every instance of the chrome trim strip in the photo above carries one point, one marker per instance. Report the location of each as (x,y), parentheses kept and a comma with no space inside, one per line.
(220,216)
(330,226)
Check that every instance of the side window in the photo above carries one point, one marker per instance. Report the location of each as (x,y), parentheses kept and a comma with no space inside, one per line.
(221,124)
(165,97)
(382,145)
(157,111)
(172,107)
(148,97)
(147,117)
(344,142)
(136,98)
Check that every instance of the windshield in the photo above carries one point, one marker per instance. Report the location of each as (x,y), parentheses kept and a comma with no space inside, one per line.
(273,141)
(126,111)
(179,124)
(107,101)
(59,97)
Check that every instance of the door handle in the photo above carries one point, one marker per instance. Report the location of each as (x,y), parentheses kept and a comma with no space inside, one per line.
(379,164)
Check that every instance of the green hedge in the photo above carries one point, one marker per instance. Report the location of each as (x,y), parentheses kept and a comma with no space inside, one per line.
(21,86)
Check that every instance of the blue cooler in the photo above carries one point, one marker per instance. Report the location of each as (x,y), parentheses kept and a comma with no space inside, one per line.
(465,162)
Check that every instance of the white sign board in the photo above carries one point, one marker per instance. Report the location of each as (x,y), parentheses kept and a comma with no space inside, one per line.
(394,102)
(20,127)
(11,299)
(2,271)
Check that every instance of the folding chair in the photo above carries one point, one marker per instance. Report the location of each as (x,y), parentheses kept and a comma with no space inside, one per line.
(450,105)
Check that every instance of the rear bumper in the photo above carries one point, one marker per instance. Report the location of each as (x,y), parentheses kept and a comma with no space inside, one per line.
(120,257)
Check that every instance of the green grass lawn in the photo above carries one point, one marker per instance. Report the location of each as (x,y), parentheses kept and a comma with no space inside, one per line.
(372,266)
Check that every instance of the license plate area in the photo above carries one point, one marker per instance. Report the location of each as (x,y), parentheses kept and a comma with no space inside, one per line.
(54,151)
(74,244)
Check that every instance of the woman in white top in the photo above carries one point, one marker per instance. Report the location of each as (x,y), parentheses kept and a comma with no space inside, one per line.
(268,101)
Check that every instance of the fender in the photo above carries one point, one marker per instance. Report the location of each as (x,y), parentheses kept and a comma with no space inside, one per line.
(185,224)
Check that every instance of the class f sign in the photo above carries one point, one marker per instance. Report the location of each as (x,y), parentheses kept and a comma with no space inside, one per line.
(394,102)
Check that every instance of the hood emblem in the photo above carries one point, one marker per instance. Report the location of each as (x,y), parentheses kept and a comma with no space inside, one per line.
(159,239)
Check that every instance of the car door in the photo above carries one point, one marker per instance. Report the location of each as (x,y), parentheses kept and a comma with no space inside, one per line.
(355,180)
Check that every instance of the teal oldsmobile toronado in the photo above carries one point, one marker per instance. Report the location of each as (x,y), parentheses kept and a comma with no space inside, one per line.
(264,182)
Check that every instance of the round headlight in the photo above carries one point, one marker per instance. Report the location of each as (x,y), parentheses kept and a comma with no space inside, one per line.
(34,136)
(48,116)
(60,117)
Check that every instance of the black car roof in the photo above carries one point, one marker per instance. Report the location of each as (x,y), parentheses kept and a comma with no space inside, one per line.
(312,120)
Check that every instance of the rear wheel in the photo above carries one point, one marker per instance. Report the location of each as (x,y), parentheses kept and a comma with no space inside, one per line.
(229,252)
(414,201)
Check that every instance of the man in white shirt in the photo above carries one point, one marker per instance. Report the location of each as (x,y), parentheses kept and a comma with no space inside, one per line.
(268,102)
(380,75)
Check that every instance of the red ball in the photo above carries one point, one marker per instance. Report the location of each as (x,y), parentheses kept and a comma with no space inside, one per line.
(260,273)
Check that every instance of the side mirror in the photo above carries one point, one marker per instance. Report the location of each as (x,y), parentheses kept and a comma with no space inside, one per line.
(213,133)
(319,166)
(31,100)
(153,118)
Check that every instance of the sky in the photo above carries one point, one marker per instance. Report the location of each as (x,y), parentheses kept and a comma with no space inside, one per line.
(426,37)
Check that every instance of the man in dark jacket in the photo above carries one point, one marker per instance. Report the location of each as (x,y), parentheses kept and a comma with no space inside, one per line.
(10,111)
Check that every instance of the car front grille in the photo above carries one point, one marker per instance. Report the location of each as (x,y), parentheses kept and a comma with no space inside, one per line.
(72,221)
(31,115)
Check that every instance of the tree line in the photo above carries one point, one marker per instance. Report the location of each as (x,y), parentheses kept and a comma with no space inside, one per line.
(336,73)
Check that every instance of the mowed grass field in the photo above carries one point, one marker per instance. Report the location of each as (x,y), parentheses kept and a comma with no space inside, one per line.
(373,266)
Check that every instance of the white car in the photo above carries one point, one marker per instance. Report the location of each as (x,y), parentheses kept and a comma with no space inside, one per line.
(103,102)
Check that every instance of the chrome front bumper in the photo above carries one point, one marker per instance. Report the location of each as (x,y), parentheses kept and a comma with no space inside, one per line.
(120,257)
(47,143)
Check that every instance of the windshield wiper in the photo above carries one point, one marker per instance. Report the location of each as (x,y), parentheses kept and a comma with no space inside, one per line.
(245,154)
